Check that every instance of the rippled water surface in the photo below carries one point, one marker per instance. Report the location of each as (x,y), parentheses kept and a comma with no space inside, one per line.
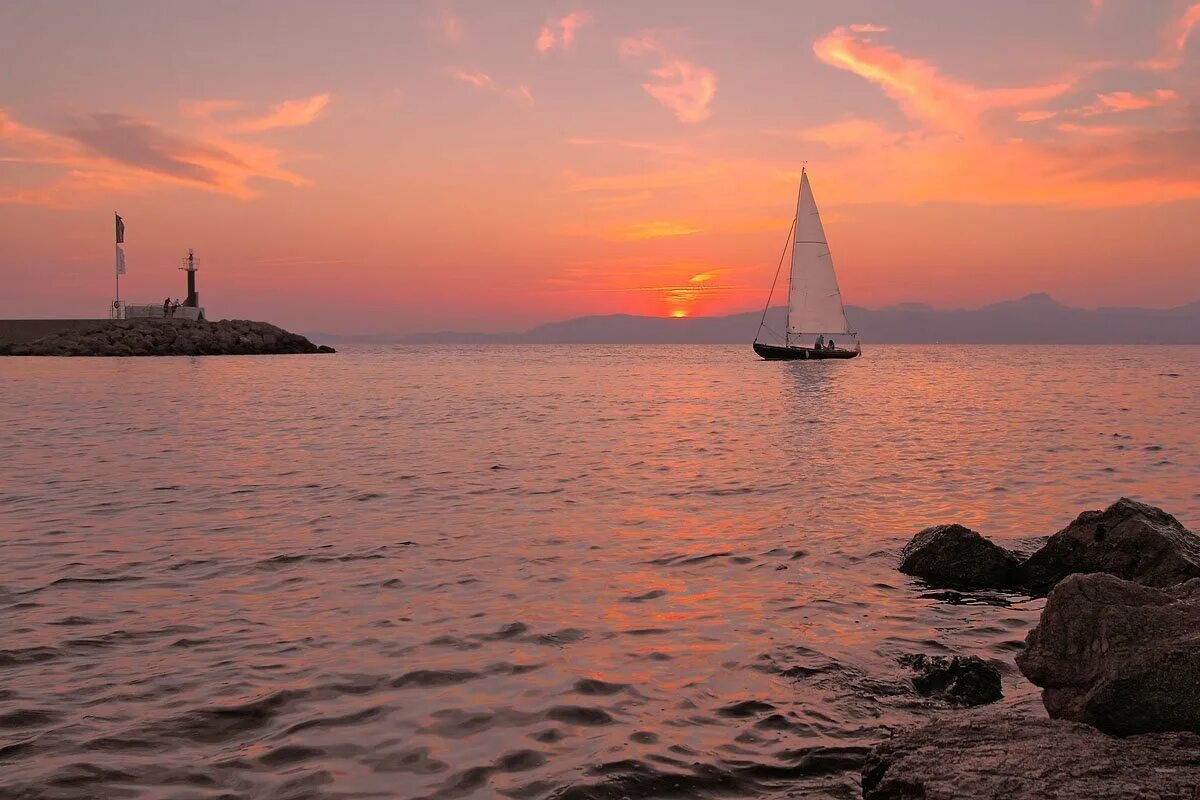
(528,572)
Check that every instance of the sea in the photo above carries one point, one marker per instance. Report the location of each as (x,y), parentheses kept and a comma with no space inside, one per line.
(529,572)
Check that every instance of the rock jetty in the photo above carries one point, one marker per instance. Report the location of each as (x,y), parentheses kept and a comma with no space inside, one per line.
(1119,656)
(168,337)
(1131,540)
(989,755)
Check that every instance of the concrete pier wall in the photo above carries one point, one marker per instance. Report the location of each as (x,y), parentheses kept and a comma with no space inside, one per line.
(19,331)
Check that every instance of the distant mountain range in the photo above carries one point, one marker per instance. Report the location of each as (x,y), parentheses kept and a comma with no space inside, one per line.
(1034,319)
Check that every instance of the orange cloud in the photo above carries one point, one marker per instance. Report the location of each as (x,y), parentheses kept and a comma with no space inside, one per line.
(1174,37)
(922,92)
(657,229)
(1113,102)
(685,88)
(561,31)
(1035,116)
(481,80)
(104,153)
(961,153)
(288,114)
(1181,29)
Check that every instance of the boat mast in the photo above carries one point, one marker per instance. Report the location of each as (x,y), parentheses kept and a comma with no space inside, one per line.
(787,328)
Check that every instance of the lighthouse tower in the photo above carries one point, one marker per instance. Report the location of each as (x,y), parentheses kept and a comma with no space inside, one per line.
(193,298)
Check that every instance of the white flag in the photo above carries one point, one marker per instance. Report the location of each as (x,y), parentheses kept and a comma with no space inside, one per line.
(120,260)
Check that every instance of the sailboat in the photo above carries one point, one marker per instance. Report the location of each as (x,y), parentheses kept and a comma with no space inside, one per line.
(815,313)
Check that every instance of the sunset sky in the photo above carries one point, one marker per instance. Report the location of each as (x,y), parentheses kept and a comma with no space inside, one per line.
(395,167)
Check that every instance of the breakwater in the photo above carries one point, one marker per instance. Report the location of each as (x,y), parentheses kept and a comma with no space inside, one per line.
(152,337)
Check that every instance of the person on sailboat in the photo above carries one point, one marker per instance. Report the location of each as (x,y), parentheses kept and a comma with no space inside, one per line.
(820,345)
(831,345)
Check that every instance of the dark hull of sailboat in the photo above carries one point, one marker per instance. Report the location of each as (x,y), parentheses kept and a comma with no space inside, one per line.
(773,352)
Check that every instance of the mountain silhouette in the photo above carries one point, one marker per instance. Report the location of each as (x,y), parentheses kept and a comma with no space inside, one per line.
(1033,319)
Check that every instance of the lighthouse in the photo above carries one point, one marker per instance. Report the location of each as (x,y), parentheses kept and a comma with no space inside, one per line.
(188,309)
(193,299)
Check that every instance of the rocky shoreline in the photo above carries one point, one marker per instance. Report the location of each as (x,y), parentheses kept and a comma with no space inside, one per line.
(168,337)
(1116,653)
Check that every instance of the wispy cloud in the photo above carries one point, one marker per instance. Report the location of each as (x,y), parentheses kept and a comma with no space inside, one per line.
(1181,29)
(108,152)
(449,25)
(481,80)
(656,229)
(288,114)
(561,32)
(920,89)
(1174,38)
(959,149)
(225,113)
(1115,102)
(682,86)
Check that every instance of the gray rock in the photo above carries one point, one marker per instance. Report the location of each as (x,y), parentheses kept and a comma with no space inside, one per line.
(1117,655)
(141,337)
(963,680)
(954,556)
(993,755)
(1132,540)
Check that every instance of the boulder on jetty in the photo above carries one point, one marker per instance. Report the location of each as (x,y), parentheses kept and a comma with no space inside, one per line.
(954,556)
(962,680)
(168,337)
(1119,656)
(1005,754)
(1132,540)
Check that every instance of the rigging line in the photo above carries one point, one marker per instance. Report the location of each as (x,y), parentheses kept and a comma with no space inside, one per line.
(770,294)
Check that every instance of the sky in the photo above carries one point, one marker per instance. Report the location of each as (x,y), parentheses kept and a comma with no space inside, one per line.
(363,167)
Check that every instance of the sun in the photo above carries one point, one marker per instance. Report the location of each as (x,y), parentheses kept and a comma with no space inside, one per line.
(679,313)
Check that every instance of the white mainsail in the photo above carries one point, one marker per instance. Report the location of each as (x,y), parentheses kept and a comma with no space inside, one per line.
(814,300)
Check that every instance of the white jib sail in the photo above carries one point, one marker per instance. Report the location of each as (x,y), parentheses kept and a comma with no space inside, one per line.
(814,300)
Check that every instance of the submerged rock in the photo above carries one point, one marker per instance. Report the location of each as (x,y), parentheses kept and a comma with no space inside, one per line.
(964,680)
(1132,540)
(954,556)
(168,337)
(1122,657)
(1007,755)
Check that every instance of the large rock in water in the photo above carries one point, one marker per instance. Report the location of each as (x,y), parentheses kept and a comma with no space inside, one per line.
(168,337)
(957,557)
(1117,655)
(1005,755)
(1131,540)
(963,680)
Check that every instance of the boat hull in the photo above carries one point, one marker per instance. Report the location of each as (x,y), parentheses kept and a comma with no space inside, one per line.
(772,352)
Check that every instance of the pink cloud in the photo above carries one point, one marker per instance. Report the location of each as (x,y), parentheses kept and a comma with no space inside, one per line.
(1174,37)
(920,89)
(481,80)
(685,88)
(1114,102)
(1182,28)
(105,153)
(561,31)
(288,114)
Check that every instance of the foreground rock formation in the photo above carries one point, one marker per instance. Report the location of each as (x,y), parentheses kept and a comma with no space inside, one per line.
(1008,755)
(1131,540)
(1119,656)
(957,557)
(962,680)
(168,337)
